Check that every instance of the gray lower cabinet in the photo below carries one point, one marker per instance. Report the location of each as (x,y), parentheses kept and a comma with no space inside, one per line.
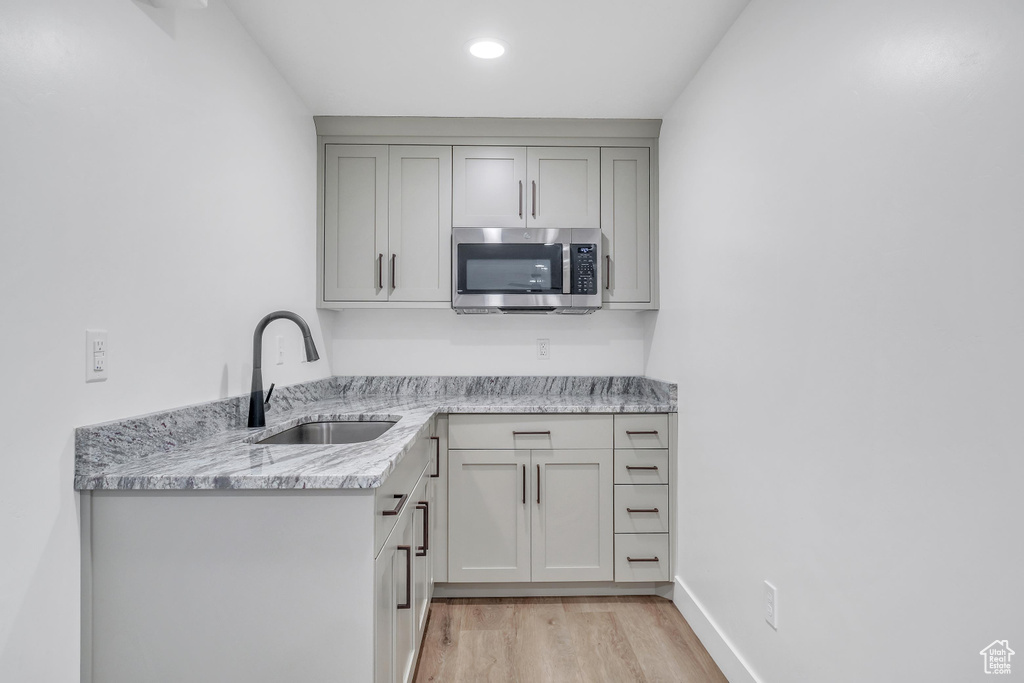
(259,586)
(524,510)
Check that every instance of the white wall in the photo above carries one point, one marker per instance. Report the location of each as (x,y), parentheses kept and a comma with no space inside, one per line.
(842,194)
(440,342)
(156,180)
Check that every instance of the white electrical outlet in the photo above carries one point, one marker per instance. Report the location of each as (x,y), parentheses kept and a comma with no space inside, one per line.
(771,605)
(96,355)
(280,349)
(544,349)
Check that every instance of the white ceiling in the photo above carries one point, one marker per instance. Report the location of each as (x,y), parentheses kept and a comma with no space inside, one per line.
(567,58)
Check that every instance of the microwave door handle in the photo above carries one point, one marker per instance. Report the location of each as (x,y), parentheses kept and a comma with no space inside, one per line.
(566,268)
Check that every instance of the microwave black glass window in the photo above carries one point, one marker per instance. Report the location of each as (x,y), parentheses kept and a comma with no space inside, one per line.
(510,269)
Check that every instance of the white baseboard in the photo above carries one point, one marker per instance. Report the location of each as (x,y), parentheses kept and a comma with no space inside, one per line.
(718,646)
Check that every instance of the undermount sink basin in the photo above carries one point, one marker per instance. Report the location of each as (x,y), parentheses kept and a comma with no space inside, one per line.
(329,433)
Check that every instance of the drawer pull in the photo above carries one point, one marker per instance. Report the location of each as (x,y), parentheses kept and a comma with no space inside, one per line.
(547,433)
(648,432)
(642,559)
(425,506)
(398,508)
(641,509)
(644,467)
(408,577)
(437,461)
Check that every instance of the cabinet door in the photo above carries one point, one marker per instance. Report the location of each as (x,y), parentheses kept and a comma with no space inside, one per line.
(563,187)
(488,516)
(626,224)
(421,556)
(572,517)
(405,599)
(439,517)
(355,222)
(420,223)
(384,616)
(489,187)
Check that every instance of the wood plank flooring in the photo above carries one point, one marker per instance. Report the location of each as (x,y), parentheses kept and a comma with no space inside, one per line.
(623,639)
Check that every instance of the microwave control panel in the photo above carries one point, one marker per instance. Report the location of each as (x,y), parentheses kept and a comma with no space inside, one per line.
(584,268)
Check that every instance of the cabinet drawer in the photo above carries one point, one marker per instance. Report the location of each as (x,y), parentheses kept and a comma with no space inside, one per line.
(641,557)
(499,432)
(635,466)
(641,509)
(388,496)
(641,431)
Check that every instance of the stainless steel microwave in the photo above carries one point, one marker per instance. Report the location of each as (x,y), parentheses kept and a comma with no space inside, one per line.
(526,270)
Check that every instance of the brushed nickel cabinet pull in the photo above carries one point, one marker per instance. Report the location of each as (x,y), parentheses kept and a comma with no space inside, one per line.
(641,509)
(408,577)
(524,484)
(650,432)
(394,257)
(538,484)
(642,559)
(534,198)
(638,467)
(437,461)
(425,506)
(607,271)
(547,433)
(380,271)
(398,508)
(520,198)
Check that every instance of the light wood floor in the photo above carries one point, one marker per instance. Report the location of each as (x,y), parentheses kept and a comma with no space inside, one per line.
(562,640)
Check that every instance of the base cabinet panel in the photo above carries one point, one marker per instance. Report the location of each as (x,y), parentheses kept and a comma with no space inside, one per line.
(571,537)
(488,516)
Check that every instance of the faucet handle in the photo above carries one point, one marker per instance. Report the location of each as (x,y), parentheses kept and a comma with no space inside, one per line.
(269,392)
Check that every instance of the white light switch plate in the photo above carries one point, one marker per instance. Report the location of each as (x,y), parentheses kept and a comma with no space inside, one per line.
(96,356)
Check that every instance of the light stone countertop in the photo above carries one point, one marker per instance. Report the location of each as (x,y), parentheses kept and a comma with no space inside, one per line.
(198,447)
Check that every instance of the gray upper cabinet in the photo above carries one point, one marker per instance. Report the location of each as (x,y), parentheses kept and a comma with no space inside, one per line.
(564,187)
(355,222)
(539,187)
(626,224)
(390,189)
(420,223)
(489,187)
(387,223)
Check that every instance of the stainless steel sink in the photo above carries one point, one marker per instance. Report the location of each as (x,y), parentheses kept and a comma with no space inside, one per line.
(329,433)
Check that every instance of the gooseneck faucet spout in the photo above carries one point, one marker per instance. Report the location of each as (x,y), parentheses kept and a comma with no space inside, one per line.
(257,416)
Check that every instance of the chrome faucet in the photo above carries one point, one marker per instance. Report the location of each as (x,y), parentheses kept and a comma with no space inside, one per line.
(257,417)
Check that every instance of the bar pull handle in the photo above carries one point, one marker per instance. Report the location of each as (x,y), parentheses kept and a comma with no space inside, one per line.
(641,509)
(642,559)
(380,271)
(520,198)
(524,484)
(650,432)
(538,484)
(547,433)
(398,508)
(607,271)
(437,455)
(394,257)
(408,577)
(425,506)
(534,198)
(653,468)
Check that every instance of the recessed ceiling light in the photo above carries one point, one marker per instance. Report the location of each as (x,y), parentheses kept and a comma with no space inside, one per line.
(486,48)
